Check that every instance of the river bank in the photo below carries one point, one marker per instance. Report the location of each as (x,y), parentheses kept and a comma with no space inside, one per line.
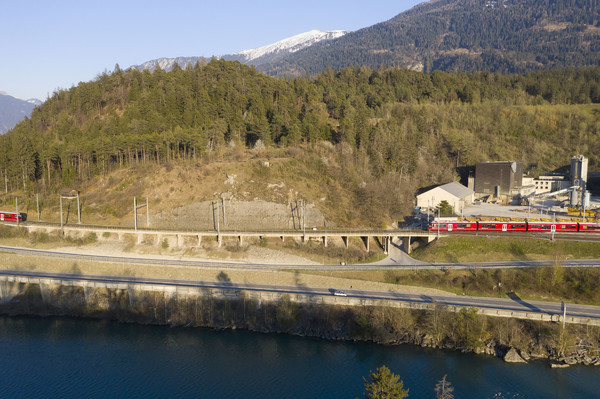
(466,331)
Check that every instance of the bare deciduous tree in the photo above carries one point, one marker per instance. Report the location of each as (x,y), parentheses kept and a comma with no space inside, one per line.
(443,389)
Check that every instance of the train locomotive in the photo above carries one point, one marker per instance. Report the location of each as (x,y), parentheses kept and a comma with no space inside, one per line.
(12,216)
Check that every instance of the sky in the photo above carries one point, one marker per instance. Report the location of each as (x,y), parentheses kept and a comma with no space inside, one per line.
(46,45)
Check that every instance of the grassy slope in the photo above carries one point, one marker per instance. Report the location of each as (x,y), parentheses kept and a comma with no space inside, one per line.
(483,249)
(313,174)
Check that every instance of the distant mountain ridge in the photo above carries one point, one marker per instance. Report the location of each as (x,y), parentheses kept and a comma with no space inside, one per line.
(258,56)
(283,48)
(508,36)
(14,110)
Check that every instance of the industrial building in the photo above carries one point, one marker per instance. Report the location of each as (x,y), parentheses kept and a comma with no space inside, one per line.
(498,178)
(550,183)
(579,171)
(454,193)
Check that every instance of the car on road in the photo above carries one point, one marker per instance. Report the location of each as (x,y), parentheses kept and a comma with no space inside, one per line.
(339,293)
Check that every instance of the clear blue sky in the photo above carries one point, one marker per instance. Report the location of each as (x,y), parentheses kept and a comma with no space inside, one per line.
(49,45)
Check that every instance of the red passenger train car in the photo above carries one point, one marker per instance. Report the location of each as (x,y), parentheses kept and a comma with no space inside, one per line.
(554,227)
(12,216)
(558,227)
(502,226)
(453,226)
(589,227)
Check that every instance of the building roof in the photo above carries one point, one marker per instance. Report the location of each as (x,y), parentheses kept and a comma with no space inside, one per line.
(457,189)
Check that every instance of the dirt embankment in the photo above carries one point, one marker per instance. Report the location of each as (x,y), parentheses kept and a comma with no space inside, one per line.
(232,214)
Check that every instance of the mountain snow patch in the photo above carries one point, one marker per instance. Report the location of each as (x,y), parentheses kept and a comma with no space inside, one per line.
(291,44)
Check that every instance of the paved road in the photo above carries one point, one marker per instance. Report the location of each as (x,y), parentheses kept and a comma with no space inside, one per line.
(396,261)
(512,304)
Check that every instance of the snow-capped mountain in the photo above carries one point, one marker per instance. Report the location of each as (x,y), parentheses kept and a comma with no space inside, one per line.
(34,101)
(14,110)
(167,64)
(261,55)
(287,46)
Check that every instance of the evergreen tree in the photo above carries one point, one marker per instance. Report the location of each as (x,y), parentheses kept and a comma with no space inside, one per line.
(383,384)
(445,208)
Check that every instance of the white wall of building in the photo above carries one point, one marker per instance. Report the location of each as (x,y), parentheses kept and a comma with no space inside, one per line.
(432,198)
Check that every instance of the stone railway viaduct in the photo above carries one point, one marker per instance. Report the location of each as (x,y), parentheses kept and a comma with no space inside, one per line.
(190,238)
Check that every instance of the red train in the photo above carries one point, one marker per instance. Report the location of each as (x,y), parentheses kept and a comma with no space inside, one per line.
(558,227)
(12,216)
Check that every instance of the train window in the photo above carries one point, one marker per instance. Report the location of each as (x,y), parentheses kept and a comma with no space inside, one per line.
(463,226)
(517,226)
(590,227)
(567,226)
(541,226)
(488,226)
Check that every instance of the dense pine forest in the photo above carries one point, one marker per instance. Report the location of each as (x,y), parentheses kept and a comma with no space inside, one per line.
(384,128)
(505,36)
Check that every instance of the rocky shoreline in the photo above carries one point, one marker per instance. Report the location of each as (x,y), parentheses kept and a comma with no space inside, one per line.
(516,341)
(514,355)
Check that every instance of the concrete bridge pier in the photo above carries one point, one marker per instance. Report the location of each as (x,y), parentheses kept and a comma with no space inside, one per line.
(180,240)
(199,240)
(384,243)
(406,244)
(219,240)
(86,294)
(325,241)
(42,292)
(345,240)
(366,242)
(241,240)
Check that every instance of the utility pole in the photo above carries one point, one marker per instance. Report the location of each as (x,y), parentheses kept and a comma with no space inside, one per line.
(428,209)
(563,305)
(303,222)
(217,213)
(17,206)
(223,209)
(583,205)
(134,214)
(37,202)
(135,208)
(78,210)
(438,222)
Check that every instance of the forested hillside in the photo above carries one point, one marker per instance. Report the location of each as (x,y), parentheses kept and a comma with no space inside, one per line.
(389,131)
(507,36)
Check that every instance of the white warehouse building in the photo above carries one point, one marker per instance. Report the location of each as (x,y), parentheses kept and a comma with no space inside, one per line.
(455,193)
